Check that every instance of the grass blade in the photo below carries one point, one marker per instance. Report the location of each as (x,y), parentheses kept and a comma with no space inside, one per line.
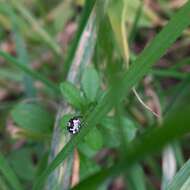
(169,73)
(142,65)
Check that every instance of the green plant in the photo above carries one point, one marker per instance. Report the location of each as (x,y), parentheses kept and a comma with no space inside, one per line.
(100,70)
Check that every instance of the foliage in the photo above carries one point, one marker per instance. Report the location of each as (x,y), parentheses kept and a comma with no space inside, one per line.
(40,48)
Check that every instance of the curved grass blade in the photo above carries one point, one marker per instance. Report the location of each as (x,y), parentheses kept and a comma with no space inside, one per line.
(9,174)
(35,75)
(141,66)
(169,73)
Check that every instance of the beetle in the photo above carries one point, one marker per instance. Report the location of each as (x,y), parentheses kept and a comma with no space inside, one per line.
(74,125)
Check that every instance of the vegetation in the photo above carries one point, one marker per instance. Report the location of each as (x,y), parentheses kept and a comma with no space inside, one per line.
(121,68)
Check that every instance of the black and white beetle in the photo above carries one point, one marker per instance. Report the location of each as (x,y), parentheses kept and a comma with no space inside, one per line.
(74,125)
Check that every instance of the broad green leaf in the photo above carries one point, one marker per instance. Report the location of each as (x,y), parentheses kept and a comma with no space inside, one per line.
(33,118)
(9,174)
(90,83)
(181,178)
(72,95)
(94,139)
(136,72)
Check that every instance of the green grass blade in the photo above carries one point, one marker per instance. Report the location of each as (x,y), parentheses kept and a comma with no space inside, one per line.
(169,73)
(142,65)
(9,174)
(180,178)
(35,75)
